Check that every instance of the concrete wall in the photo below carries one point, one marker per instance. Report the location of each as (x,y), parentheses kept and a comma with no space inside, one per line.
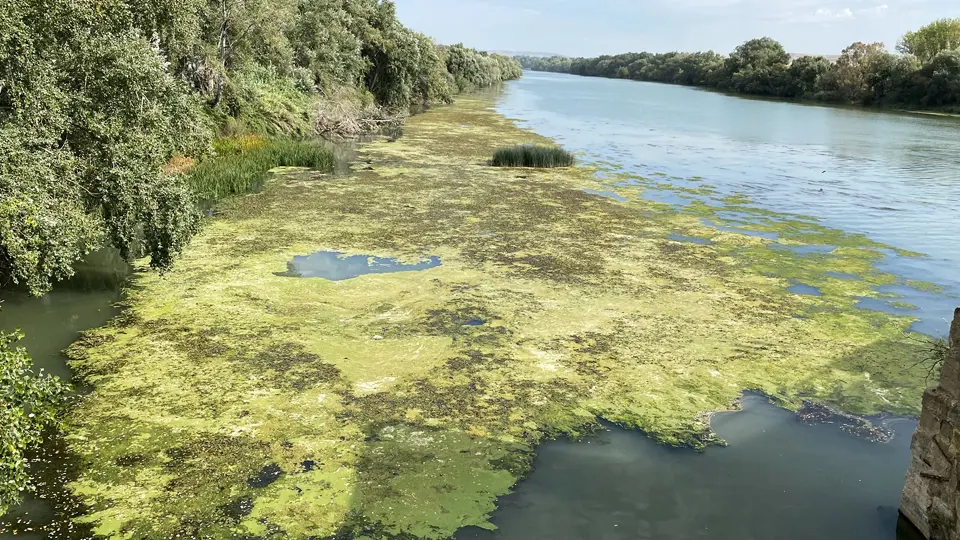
(931,498)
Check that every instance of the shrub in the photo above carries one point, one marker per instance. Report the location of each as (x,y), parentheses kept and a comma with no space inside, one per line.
(532,156)
(28,402)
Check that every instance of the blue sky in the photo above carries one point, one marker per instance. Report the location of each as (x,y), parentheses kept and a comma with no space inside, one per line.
(588,28)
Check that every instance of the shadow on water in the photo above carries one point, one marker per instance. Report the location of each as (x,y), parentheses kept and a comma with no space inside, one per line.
(778,478)
(336,266)
(51,324)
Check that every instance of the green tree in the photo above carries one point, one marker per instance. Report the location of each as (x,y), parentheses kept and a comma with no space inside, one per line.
(89,113)
(850,79)
(805,76)
(28,404)
(939,81)
(757,67)
(931,40)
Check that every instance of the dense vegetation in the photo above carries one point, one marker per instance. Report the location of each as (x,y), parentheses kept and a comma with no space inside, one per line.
(926,74)
(532,156)
(96,96)
(106,105)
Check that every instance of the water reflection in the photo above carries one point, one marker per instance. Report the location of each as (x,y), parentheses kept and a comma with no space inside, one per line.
(778,478)
(51,324)
(336,266)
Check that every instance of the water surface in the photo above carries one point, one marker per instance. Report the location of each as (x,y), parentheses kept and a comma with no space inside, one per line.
(336,266)
(893,177)
(778,478)
(51,324)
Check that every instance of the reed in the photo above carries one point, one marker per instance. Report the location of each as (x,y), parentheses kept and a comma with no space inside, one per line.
(242,165)
(532,156)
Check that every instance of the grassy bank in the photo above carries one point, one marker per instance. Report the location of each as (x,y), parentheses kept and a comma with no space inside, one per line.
(230,399)
(242,163)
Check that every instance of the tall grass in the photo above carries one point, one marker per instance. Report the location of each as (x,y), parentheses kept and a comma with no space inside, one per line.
(242,164)
(532,156)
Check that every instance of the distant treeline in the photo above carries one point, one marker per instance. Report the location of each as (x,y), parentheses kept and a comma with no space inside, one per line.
(926,74)
(96,97)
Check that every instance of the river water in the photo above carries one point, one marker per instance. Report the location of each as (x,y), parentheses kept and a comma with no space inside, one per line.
(892,177)
(778,478)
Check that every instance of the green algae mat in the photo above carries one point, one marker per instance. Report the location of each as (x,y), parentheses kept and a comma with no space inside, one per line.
(232,399)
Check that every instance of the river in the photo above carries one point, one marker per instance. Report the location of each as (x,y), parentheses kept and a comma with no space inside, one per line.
(892,177)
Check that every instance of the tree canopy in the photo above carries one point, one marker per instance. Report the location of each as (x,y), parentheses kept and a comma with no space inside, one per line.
(97,95)
(929,41)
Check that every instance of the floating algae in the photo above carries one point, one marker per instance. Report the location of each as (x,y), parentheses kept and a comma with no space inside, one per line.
(371,408)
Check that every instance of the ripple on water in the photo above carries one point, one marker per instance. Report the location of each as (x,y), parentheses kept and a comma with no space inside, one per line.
(336,266)
(931,309)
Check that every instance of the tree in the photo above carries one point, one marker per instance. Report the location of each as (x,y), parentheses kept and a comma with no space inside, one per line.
(940,80)
(90,113)
(805,76)
(28,404)
(931,40)
(850,79)
(757,67)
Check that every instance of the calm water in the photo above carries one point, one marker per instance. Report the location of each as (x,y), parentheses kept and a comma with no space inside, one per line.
(336,266)
(779,479)
(50,325)
(893,177)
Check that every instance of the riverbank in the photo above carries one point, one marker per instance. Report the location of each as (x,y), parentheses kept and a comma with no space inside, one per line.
(232,397)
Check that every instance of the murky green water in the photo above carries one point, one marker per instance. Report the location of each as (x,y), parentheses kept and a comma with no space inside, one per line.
(893,177)
(50,325)
(778,478)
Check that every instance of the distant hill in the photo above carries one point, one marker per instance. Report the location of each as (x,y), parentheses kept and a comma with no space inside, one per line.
(526,53)
(830,57)
(793,56)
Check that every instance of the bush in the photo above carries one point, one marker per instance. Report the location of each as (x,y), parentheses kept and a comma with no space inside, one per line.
(532,156)
(242,164)
(28,402)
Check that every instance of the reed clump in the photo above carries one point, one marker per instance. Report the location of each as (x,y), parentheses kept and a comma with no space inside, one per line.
(532,156)
(242,165)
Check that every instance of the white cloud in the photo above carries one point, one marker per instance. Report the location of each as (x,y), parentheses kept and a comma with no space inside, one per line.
(875,11)
(829,14)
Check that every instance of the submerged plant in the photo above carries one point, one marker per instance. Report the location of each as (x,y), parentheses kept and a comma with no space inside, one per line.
(529,155)
(241,164)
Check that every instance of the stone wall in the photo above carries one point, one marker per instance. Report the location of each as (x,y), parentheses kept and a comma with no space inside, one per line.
(931,498)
